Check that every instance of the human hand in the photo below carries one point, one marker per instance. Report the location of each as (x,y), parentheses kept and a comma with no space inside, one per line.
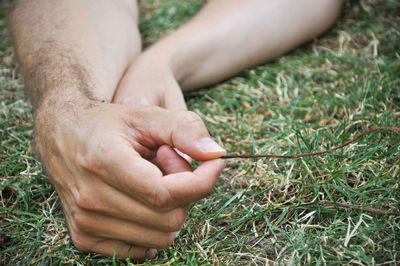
(98,157)
(150,81)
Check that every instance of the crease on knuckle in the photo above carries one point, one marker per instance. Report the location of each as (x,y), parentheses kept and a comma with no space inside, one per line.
(91,157)
(89,162)
(86,201)
(161,199)
(83,222)
(189,117)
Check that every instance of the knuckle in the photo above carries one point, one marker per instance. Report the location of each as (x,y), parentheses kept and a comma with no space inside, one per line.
(89,162)
(85,201)
(189,117)
(82,243)
(83,222)
(105,143)
(161,199)
(99,150)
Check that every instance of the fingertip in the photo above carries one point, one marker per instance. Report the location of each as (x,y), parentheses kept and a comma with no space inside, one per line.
(151,253)
(222,162)
(205,149)
(189,187)
(211,167)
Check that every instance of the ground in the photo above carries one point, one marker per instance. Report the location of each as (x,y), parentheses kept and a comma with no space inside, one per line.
(261,211)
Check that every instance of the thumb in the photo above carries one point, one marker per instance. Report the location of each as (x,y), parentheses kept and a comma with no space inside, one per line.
(183,130)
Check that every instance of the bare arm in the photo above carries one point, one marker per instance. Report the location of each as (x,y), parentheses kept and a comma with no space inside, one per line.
(65,44)
(226,37)
(229,36)
(99,155)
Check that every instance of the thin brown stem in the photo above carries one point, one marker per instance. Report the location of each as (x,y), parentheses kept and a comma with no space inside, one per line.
(233,156)
(355,207)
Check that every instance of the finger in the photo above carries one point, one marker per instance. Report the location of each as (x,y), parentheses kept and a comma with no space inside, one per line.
(188,187)
(170,161)
(174,100)
(103,199)
(109,247)
(131,174)
(131,93)
(183,130)
(179,189)
(138,178)
(101,226)
(141,180)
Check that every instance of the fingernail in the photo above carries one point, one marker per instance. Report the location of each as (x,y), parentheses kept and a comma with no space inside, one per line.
(222,162)
(184,156)
(209,145)
(151,253)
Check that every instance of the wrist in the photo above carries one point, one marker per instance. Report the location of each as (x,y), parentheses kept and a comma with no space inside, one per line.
(150,80)
(57,100)
(169,57)
(59,107)
(59,115)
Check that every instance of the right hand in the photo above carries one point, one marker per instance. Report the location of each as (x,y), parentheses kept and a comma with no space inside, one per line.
(99,158)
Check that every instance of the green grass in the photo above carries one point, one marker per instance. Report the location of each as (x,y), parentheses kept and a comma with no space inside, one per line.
(261,211)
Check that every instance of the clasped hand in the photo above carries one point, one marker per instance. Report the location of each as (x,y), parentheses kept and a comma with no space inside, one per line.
(118,177)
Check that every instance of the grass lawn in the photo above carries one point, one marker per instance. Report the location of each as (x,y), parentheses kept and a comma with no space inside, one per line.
(261,211)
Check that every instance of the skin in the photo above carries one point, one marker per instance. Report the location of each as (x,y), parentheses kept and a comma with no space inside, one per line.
(108,115)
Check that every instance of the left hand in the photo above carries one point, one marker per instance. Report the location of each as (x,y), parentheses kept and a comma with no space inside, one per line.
(149,81)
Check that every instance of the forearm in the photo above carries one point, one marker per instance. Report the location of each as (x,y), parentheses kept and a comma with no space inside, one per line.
(229,36)
(74,47)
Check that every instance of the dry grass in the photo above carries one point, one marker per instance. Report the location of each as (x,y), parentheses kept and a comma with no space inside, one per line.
(262,211)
